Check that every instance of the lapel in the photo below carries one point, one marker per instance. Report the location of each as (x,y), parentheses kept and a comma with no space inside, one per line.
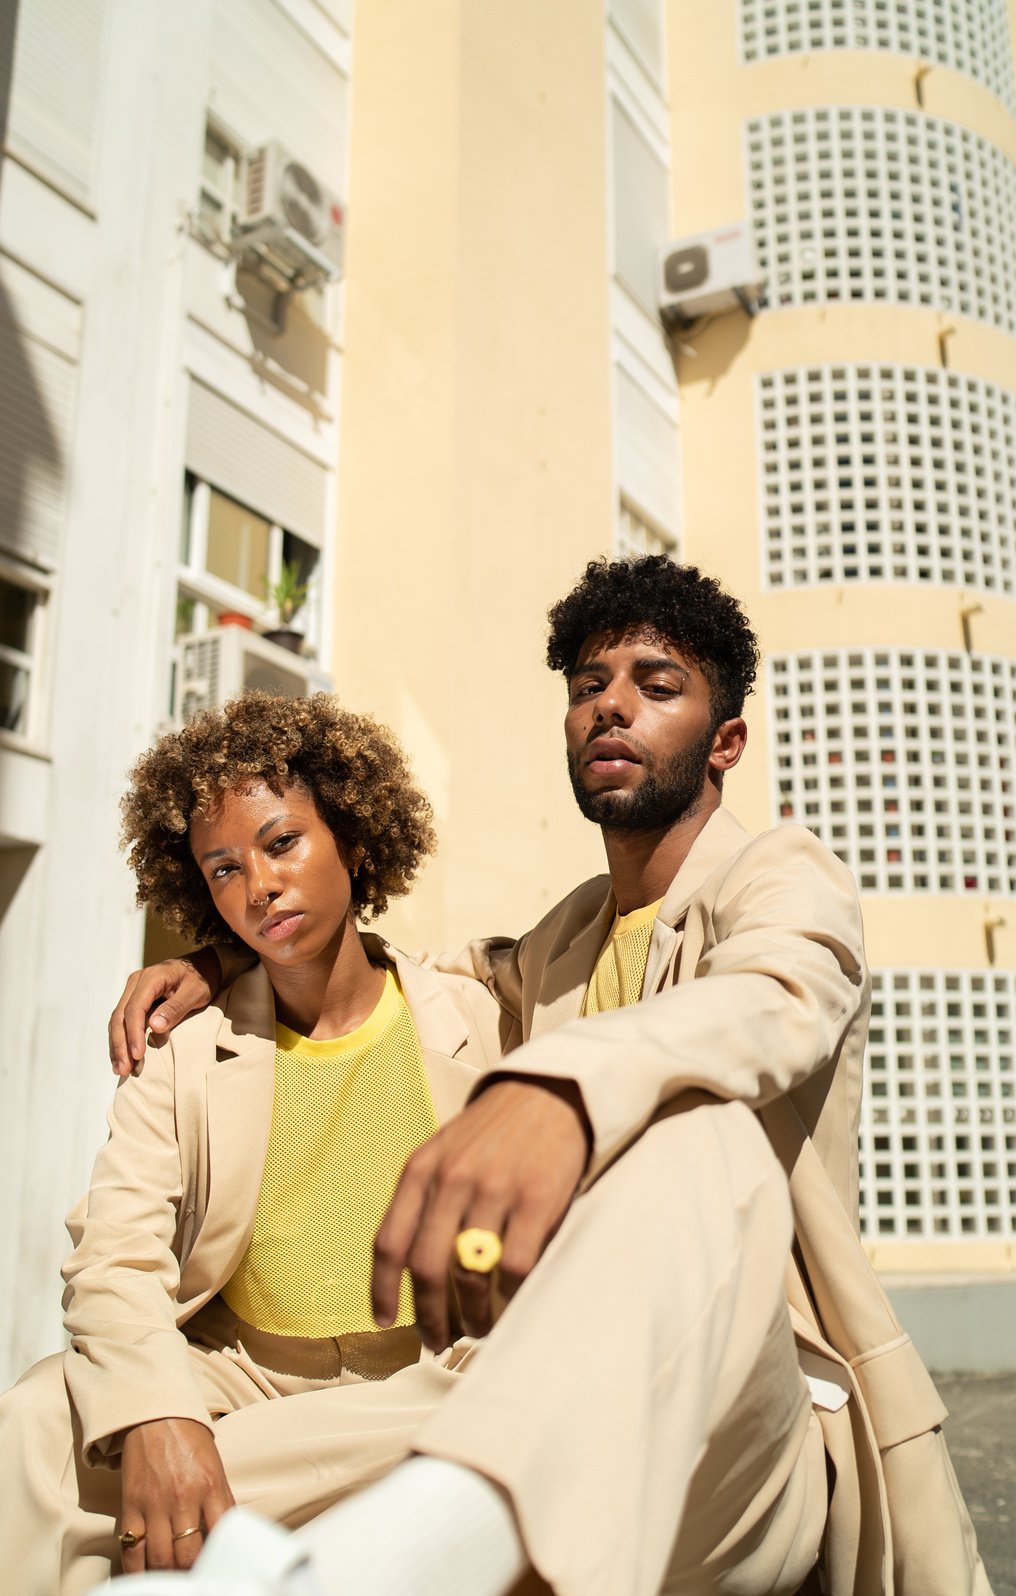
(440,1025)
(240,1093)
(720,838)
(565,977)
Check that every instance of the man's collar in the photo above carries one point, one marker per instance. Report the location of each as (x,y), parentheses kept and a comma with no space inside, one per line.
(720,838)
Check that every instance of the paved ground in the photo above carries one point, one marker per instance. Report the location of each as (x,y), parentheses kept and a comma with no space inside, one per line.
(981,1432)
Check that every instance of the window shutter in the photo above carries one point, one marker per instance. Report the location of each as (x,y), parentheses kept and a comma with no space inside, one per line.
(243,458)
(56,89)
(646,453)
(38,388)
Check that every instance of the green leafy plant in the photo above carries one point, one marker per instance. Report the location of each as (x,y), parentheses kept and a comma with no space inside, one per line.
(288,593)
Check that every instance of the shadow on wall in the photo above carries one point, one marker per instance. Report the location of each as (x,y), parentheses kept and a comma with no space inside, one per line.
(31,447)
(14,863)
(294,350)
(708,348)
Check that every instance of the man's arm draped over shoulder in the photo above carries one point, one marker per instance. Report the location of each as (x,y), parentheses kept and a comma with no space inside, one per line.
(770,974)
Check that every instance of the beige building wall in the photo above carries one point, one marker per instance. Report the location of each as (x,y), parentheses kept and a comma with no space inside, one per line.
(476,438)
(948,1203)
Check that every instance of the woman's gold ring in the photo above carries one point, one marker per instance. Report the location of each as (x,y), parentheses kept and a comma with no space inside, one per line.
(181,1535)
(129,1538)
(479,1251)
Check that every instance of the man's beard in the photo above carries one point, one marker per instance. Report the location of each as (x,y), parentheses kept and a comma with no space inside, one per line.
(662,797)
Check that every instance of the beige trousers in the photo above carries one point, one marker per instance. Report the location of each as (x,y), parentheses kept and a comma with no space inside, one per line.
(639,1400)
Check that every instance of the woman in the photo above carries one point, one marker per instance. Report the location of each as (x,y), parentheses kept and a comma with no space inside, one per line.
(222,1257)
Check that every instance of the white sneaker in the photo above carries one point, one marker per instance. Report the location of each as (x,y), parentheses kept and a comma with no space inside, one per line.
(245,1555)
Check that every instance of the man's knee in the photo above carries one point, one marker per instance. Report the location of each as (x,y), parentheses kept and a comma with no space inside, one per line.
(707,1152)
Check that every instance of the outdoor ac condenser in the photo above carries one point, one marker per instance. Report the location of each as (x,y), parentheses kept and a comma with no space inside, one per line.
(289,215)
(708,274)
(212,666)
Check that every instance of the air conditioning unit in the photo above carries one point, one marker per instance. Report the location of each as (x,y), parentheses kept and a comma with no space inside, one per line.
(212,666)
(709,274)
(289,218)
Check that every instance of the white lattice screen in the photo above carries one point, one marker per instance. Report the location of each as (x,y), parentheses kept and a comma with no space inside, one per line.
(871,203)
(971,36)
(886,473)
(938,1119)
(902,762)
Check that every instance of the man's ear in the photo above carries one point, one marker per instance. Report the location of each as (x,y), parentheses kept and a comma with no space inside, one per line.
(729,739)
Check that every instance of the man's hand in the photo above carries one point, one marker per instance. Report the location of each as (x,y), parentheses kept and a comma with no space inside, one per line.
(172,989)
(511,1163)
(173,1480)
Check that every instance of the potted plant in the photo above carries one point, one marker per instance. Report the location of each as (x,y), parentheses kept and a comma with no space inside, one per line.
(286,595)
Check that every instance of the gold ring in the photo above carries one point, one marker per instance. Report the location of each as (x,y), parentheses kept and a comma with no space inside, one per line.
(479,1251)
(129,1539)
(181,1535)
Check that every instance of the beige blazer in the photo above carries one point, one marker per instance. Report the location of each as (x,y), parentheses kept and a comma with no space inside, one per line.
(757,989)
(174,1191)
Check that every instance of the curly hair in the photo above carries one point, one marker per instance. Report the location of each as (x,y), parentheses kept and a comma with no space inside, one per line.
(674,602)
(351,766)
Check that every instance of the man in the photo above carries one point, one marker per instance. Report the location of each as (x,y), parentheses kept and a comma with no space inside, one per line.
(641,1402)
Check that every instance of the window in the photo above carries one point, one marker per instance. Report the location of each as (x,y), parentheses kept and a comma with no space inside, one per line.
(637,536)
(640,204)
(22,602)
(221,172)
(229,555)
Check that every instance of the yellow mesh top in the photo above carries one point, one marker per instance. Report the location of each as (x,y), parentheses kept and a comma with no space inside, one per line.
(347,1114)
(620,967)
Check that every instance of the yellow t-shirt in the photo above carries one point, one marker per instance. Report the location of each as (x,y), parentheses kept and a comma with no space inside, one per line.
(620,967)
(347,1114)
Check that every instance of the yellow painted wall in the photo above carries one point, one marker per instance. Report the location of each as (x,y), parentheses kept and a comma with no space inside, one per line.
(711,98)
(475,450)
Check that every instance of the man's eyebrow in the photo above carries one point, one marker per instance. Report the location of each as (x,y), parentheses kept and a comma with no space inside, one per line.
(650,662)
(220,853)
(660,662)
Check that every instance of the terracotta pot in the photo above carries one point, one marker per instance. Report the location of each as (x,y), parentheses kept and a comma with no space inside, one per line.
(234,618)
(285,637)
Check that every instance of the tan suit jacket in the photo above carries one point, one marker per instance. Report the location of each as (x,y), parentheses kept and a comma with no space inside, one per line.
(174,1191)
(759,991)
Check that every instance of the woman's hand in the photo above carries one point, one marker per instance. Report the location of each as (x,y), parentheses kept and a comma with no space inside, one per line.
(172,1481)
(172,989)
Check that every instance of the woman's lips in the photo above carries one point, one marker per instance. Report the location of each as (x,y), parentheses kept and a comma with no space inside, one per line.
(279,926)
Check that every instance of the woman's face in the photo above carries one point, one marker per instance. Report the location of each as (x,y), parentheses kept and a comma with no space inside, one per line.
(274,872)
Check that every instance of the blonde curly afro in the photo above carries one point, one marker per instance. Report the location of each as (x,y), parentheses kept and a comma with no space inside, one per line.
(350,765)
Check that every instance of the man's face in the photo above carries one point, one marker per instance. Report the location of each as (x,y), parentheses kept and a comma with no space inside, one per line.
(639,732)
